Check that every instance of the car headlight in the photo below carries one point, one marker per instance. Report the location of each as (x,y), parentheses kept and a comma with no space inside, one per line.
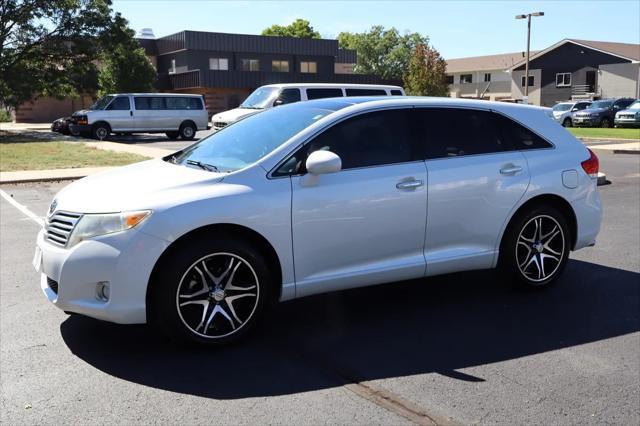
(93,225)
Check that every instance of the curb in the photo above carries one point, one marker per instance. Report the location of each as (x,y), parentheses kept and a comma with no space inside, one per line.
(590,139)
(43,179)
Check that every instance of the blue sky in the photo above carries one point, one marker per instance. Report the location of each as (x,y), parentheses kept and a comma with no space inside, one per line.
(456,28)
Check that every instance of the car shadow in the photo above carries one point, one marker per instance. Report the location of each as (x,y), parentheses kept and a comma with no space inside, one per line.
(438,325)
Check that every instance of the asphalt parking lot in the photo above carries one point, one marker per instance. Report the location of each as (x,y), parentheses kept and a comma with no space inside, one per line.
(459,349)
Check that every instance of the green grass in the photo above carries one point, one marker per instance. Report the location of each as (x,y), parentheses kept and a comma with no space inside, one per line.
(17,154)
(596,132)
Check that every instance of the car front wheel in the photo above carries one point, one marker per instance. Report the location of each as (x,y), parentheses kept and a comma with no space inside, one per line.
(606,123)
(536,248)
(566,122)
(211,293)
(187,131)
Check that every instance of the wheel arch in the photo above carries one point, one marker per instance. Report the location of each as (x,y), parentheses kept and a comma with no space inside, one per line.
(188,121)
(101,122)
(552,200)
(218,230)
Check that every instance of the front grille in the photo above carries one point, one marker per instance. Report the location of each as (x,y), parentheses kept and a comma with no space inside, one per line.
(53,285)
(627,116)
(59,225)
(219,124)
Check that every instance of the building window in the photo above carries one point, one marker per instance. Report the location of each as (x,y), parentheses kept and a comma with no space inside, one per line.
(487,76)
(172,70)
(466,78)
(280,66)
(219,64)
(563,79)
(309,67)
(250,65)
(531,81)
(449,79)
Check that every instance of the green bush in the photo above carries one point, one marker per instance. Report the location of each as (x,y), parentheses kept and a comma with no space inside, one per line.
(5,117)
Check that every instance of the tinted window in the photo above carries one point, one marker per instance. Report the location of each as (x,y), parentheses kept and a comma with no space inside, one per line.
(366,92)
(194,103)
(582,105)
(624,103)
(519,136)
(288,96)
(396,93)
(150,102)
(179,102)
(450,132)
(323,93)
(120,103)
(372,139)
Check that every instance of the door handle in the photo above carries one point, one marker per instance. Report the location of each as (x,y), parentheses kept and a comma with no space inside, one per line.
(510,170)
(410,184)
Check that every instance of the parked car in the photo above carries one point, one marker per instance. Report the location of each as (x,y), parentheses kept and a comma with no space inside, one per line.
(61,125)
(600,113)
(629,117)
(563,111)
(274,95)
(177,115)
(315,197)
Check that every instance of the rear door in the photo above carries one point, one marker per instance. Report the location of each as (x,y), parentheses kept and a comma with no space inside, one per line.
(150,113)
(475,179)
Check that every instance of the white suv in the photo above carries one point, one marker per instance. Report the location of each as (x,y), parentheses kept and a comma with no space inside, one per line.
(320,196)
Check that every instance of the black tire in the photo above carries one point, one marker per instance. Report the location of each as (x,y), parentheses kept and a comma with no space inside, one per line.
(520,259)
(188,130)
(173,135)
(567,122)
(199,320)
(605,123)
(100,131)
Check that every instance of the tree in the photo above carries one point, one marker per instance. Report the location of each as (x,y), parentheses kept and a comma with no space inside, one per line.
(51,47)
(382,52)
(300,28)
(426,73)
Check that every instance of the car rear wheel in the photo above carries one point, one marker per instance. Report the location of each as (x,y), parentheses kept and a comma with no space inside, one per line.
(187,131)
(605,122)
(566,122)
(536,247)
(211,292)
(100,131)
(173,135)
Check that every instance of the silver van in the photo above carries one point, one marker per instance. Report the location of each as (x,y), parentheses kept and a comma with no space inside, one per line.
(273,95)
(177,115)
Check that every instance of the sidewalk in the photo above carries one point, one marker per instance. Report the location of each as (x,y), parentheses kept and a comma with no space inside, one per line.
(617,148)
(49,175)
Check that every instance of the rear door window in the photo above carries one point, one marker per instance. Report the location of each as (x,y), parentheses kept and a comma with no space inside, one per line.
(149,102)
(194,103)
(176,102)
(519,136)
(324,93)
(366,92)
(454,132)
(396,92)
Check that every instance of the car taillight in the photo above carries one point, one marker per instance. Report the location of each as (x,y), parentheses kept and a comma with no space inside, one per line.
(591,166)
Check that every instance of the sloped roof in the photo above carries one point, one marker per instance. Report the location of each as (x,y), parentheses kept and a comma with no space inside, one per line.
(489,62)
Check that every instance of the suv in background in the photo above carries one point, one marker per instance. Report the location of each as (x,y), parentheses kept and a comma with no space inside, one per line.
(629,117)
(562,111)
(600,113)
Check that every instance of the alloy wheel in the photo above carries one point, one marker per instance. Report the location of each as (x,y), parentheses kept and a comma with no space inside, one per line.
(188,132)
(540,248)
(218,295)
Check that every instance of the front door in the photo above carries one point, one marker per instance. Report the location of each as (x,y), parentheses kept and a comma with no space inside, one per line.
(120,114)
(364,224)
(475,180)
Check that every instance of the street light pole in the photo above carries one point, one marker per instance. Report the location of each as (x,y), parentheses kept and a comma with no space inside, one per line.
(526,66)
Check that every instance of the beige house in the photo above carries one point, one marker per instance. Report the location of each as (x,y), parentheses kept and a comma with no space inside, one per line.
(482,77)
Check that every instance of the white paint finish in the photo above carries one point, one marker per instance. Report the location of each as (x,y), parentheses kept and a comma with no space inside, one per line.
(469,202)
(323,162)
(350,228)
(356,226)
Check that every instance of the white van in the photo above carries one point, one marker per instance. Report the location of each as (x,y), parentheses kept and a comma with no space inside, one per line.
(177,115)
(272,95)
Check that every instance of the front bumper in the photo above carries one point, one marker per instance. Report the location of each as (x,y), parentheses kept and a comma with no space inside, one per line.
(124,260)
(627,122)
(585,121)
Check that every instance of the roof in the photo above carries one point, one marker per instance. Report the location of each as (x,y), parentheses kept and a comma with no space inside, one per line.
(501,61)
(628,51)
(331,85)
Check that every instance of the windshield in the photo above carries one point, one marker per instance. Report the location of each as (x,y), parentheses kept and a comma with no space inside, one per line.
(101,103)
(261,98)
(635,105)
(246,141)
(562,107)
(600,104)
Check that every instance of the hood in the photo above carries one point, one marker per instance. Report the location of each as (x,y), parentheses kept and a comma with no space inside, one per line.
(146,185)
(591,111)
(82,112)
(234,114)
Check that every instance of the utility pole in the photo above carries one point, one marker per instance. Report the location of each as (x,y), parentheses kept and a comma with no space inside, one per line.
(526,66)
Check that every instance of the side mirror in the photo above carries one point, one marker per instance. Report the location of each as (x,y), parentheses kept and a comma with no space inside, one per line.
(278,102)
(574,109)
(323,162)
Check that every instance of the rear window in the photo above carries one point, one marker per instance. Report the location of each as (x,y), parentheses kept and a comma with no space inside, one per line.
(179,102)
(324,93)
(366,92)
(519,136)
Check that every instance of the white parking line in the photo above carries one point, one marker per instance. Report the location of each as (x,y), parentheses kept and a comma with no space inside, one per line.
(31,215)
